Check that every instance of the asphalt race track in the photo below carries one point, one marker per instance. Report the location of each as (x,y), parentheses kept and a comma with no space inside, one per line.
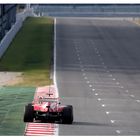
(98,72)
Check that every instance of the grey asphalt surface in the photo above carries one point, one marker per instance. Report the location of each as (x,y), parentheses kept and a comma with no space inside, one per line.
(98,72)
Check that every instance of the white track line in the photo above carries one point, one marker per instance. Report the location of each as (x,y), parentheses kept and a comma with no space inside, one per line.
(54,76)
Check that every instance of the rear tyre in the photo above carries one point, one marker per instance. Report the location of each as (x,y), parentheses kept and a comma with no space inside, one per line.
(29,113)
(67,115)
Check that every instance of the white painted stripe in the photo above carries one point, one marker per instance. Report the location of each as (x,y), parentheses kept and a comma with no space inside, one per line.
(103,105)
(84,74)
(117,83)
(55,81)
(112,121)
(126,90)
(90,85)
(138,101)
(93,89)
(132,95)
(85,77)
(118,131)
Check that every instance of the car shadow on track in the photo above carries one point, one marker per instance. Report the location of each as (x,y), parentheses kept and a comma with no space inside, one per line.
(90,124)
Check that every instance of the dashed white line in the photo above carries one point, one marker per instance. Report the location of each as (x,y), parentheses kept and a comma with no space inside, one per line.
(126,90)
(85,78)
(103,105)
(90,86)
(113,79)
(96,94)
(107,112)
(79,58)
(117,83)
(112,121)
(78,55)
(87,82)
(93,89)
(138,101)
(84,74)
(99,99)
(132,95)
(118,131)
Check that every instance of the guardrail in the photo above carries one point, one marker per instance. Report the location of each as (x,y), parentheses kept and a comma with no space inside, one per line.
(7,39)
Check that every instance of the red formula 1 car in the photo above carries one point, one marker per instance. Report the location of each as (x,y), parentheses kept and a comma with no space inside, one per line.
(48,109)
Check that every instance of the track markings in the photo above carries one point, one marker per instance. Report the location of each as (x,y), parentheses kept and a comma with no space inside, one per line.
(110,76)
(93,89)
(90,86)
(85,78)
(117,83)
(112,121)
(118,131)
(126,91)
(107,112)
(132,95)
(138,101)
(103,105)
(40,129)
(84,74)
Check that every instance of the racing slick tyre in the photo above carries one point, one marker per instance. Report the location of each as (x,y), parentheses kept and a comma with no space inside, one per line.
(29,113)
(67,115)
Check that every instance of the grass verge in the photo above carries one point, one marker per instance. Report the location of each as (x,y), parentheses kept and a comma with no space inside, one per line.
(31,52)
(12,102)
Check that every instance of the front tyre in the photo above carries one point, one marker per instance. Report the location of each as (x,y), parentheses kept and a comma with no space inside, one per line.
(67,115)
(29,113)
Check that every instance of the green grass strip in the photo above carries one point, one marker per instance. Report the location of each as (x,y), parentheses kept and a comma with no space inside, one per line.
(31,52)
(12,102)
